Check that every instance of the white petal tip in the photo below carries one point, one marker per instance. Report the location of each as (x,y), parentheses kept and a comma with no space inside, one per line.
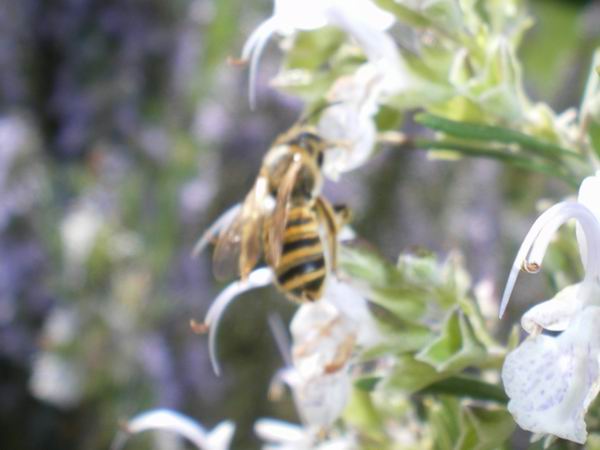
(162,419)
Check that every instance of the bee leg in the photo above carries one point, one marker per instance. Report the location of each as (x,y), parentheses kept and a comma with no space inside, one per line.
(325,211)
(343,215)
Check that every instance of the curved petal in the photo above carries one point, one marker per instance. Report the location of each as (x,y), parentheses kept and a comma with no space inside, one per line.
(589,196)
(551,381)
(164,419)
(278,431)
(253,49)
(258,278)
(536,242)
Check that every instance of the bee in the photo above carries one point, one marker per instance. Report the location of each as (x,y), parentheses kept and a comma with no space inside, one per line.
(284,219)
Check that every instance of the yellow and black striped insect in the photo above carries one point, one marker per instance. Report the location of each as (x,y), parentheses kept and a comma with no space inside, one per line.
(308,248)
(283,219)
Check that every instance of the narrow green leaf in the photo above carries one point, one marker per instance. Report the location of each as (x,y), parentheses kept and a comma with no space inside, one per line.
(468,130)
(465,386)
(506,156)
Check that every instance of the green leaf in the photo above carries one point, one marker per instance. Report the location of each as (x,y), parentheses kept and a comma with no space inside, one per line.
(386,286)
(410,375)
(466,386)
(456,348)
(459,427)
(445,418)
(506,156)
(313,49)
(484,429)
(401,335)
(404,13)
(367,383)
(362,414)
(481,132)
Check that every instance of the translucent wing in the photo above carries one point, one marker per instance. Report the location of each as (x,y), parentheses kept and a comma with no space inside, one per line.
(223,222)
(238,246)
(227,251)
(254,214)
(279,217)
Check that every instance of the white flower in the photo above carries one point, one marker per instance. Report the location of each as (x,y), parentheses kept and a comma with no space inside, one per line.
(349,121)
(325,339)
(79,231)
(281,435)
(551,381)
(56,380)
(168,420)
(321,399)
(360,18)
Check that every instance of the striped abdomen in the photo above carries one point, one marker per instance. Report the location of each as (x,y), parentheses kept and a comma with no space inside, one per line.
(301,270)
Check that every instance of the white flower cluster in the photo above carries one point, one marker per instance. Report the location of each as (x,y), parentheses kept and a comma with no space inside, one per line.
(349,122)
(325,337)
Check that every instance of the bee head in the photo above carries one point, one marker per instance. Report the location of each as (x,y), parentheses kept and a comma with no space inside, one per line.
(312,143)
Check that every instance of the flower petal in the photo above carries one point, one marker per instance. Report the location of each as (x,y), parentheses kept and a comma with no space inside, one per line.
(253,50)
(368,11)
(305,15)
(220,437)
(278,431)
(555,314)
(551,381)
(168,420)
(536,241)
(258,278)
(589,196)
(353,305)
(321,400)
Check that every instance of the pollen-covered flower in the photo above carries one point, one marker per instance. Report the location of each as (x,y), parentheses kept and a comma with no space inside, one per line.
(325,341)
(360,18)
(551,380)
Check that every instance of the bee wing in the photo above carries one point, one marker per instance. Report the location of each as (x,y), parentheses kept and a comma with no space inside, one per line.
(279,217)
(252,227)
(238,246)
(227,250)
(223,222)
